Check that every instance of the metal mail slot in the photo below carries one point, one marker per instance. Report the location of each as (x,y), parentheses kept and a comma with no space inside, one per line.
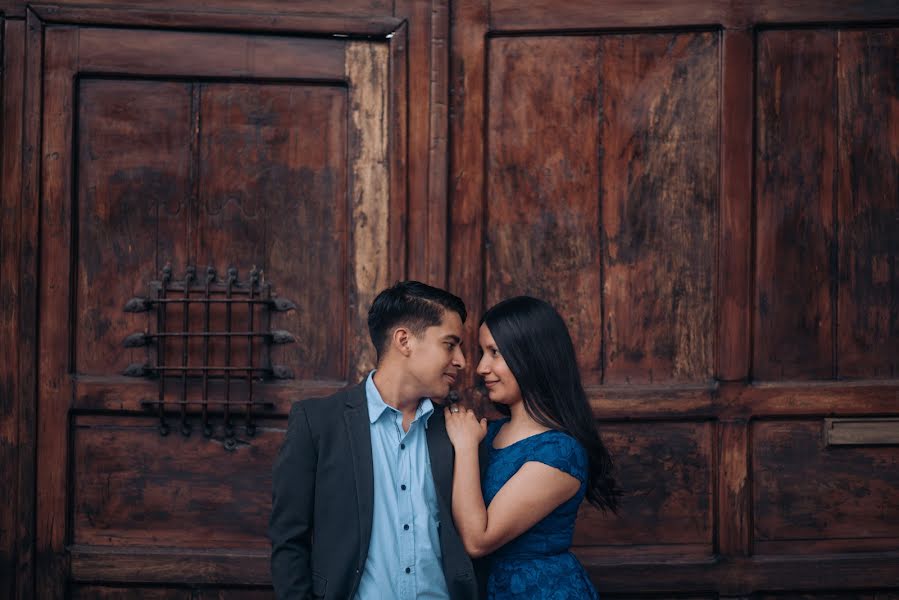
(862,432)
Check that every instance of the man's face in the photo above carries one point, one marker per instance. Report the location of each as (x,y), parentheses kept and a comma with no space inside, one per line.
(436,356)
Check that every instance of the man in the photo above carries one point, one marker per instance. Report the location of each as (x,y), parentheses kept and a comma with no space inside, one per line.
(362,486)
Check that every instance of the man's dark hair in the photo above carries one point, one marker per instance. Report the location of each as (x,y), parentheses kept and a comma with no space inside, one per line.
(412,304)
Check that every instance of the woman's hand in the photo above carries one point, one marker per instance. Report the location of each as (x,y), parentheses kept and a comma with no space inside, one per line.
(463,428)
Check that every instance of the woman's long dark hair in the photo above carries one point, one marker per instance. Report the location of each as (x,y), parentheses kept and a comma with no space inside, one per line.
(536,345)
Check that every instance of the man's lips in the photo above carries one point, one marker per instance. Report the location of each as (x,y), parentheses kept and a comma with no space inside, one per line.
(452,377)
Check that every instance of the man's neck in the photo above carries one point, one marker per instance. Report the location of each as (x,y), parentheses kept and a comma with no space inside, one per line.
(395,391)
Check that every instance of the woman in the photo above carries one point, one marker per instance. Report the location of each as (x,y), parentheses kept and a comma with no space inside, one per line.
(543,459)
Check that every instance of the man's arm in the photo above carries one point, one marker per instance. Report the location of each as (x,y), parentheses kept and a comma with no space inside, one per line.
(293,498)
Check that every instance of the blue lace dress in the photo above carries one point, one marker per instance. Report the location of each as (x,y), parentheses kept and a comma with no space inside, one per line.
(537,565)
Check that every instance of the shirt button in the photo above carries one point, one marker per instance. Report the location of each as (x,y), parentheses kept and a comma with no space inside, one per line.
(403,487)
(402,446)
(408,570)
(406,527)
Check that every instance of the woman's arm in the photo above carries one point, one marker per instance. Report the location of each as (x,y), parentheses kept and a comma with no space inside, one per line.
(529,496)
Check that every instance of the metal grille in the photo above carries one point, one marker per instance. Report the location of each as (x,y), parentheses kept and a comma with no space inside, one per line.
(177,362)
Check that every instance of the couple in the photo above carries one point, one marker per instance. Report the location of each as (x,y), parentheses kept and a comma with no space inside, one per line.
(380,493)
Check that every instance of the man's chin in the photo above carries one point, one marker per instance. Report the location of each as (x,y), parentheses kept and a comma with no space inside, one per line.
(439,395)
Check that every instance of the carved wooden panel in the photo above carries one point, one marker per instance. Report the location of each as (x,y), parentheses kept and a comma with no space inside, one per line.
(827,211)
(811,497)
(665,471)
(243,151)
(602,187)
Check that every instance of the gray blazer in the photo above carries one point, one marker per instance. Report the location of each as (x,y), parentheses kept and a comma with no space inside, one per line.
(322,501)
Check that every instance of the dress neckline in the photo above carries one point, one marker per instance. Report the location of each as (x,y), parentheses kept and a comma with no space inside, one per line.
(524,439)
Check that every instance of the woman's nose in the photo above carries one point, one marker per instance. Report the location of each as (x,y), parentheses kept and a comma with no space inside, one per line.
(483,367)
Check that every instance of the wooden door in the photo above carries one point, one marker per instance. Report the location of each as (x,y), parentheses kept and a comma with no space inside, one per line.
(279,153)
(708,193)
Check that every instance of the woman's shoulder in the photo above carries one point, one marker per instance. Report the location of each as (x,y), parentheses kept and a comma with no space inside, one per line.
(561,450)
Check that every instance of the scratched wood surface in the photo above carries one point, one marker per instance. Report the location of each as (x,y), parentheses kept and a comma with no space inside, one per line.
(219,166)
(718,198)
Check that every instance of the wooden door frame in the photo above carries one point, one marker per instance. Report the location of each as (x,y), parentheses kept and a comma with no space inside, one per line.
(407,256)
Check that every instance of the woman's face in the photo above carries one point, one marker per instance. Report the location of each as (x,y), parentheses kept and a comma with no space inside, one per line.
(501,384)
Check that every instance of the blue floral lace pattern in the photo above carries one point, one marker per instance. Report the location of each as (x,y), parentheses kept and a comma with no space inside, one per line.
(537,565)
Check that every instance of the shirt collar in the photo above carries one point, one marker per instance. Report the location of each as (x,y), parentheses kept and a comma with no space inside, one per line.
(377,406)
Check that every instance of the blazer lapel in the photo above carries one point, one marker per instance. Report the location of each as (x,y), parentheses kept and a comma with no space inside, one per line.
(440,451)
(358,430)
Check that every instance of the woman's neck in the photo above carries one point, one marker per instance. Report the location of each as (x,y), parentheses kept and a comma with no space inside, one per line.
(522,421)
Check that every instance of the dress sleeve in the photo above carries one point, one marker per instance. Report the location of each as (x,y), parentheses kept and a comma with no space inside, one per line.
(563,452)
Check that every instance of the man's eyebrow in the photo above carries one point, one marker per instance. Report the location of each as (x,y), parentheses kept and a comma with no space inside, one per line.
(455,338)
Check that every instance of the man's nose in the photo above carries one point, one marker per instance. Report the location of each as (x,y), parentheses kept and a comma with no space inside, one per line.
(459,358)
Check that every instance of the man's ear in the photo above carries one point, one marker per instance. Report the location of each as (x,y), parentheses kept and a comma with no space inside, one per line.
(401,340)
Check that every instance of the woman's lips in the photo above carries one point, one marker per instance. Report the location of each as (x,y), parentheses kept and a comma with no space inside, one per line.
(491,383)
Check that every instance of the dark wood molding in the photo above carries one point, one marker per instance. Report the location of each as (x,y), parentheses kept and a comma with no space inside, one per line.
(245,21)
(11,409)
(170,566)
(29,228)
(730,576)
(583,15)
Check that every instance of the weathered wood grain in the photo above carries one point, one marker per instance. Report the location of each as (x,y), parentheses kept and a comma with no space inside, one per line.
(734,276)
(92,592)
(805,491)
(659,191)
(665,470)
(868,203)
(55,293)
(187,54)
(542,207)
(468,70)
(133,196)
(11,411)
(28,315)
(130,488)
(272,195)
(793,336)
(367,70)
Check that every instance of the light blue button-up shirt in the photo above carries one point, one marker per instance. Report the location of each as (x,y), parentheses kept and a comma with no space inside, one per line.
(404,559)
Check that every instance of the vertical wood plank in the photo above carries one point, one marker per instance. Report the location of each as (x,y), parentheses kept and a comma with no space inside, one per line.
(13,48)
(467,122)
(868,203)
(542,218)
(733,488)
(400,164)
(54,380)
(416,76)
(366,67)
(133,140)
(27,323)
(793,336)
(735,217)
(660,95)
(438,159)
(303,183)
